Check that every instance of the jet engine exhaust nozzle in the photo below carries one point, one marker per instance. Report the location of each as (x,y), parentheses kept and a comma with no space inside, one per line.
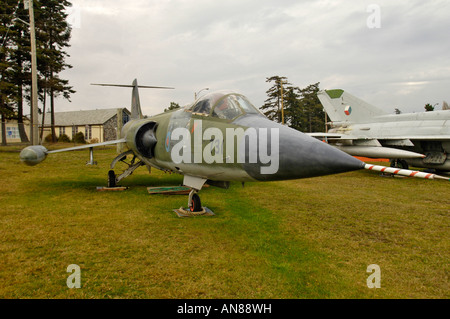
(146,139)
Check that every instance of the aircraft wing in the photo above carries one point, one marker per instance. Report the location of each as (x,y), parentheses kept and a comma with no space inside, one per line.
(419,138)
(370,147)
(327,135)
(336,136)
(81,147)
(35,154)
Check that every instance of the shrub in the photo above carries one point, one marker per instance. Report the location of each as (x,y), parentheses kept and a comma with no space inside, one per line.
(79,138)
(48,138)
(63,138)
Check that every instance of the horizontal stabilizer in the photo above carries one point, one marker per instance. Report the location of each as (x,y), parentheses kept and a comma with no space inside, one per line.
(131,86)
(136,112)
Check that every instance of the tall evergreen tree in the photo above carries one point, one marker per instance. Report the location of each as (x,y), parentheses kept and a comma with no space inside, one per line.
(6,111)
(314,121)
(302,108)
(52,37)
(18,57)
(173,106)
(276,95)
(428,107)
(294,114)
(6,91)
(6,104)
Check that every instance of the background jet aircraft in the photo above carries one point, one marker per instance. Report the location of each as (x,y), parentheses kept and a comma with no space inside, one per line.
(408,139)
(151,142)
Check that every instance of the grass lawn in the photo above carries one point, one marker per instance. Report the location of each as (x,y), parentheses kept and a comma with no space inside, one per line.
(311,238)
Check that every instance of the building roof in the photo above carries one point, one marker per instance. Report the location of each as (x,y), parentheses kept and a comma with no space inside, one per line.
(90,117)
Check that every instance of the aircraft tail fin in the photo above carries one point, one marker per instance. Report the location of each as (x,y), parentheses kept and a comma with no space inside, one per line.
(136,112)
(344,107)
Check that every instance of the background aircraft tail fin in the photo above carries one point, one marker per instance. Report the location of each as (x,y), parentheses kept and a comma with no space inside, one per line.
(445,106)
(344,107)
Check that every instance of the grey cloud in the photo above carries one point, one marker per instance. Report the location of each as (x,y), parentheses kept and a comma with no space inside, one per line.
(237,44)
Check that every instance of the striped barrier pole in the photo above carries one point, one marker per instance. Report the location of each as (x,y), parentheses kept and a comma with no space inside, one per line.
(404,172)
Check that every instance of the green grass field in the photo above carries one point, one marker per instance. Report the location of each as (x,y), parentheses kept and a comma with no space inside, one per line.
(311,238)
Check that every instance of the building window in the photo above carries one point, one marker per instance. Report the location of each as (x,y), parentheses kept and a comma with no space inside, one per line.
(62,130)
(12,132)
(74,130)
(88,132)
(125,118)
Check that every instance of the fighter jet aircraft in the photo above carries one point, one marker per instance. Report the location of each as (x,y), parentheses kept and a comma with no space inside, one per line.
(219,138)
(407,139)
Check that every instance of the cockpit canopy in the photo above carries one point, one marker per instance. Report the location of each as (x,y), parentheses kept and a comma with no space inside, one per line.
(223,105)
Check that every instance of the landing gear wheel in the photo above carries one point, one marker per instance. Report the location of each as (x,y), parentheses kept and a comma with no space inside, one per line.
(195,205)
(111,179)
(398,163)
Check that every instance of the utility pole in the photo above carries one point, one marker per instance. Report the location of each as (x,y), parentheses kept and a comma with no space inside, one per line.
(282,101)
(34,131)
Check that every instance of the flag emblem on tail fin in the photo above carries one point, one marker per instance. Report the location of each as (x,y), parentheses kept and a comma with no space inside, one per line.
(348,110)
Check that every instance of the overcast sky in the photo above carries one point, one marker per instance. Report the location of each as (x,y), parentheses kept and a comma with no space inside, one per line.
(397,59)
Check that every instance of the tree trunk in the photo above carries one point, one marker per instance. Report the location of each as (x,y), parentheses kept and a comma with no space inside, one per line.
(43,114)
(22,133)
(3,130)
(3,119)
(52,108)
(310,122)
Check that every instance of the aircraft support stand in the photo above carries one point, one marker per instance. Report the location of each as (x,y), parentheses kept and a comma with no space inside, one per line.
(91,157)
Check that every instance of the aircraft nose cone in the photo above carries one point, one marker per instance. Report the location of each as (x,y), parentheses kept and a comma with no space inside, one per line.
(299,155)
(303,156)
